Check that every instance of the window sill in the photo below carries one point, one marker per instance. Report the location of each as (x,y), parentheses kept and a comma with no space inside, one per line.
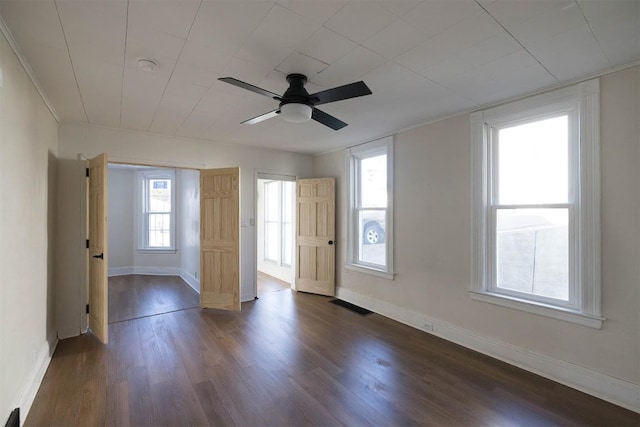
(157,251)
(369,270)
(560,313)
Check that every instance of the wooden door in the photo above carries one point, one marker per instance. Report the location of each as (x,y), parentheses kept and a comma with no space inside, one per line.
(97,213)
(315,236)
(220,238)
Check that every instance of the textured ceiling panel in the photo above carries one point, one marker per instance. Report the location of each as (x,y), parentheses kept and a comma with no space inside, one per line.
(422,59)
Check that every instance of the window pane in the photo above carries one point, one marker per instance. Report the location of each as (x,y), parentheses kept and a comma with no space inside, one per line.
(372,248)
(159,195)
(287,244)
(287,201)
(373,182)
(533,165)
(533,251)
(271,197)
(271,240)
(159,230)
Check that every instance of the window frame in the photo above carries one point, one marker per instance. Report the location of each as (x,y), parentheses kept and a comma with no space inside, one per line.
(144,176)
(581,103)
(354,156)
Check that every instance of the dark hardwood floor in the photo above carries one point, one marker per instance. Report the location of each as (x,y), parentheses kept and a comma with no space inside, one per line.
(268,283)
(134,296)
(295,359)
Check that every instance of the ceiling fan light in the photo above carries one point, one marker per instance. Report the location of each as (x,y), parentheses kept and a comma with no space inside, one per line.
(296,113)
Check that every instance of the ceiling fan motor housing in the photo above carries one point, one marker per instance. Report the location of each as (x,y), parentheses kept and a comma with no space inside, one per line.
(296,93)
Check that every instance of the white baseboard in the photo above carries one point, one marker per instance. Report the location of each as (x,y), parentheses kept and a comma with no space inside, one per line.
(29,389)
(120,271)
(191,280)
(157,271)
(150,271)
(605,387)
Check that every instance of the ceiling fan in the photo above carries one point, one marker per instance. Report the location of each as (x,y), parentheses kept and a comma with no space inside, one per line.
(296,105)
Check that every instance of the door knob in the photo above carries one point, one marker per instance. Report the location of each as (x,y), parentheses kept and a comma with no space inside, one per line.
(331,242)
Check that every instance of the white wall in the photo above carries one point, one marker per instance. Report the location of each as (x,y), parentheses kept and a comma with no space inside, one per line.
(142,148)
(28,151)
(188,225)
(433,259)
(120,223)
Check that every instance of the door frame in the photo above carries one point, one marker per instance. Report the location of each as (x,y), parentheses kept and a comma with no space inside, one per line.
(268,174)
(82,159)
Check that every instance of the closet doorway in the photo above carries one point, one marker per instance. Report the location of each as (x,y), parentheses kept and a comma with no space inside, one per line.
(275,232)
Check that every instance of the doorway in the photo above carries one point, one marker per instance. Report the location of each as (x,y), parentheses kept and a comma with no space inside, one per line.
(217,192)
(153,234)
(275,232)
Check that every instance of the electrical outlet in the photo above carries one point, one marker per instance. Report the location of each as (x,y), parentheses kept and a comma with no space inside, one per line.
(195,274)
(427,326)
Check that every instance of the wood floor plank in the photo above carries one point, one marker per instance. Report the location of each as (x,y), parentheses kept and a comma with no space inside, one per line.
(291,359)
(135,296)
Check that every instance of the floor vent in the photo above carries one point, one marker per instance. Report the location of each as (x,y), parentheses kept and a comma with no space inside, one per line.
(352,307)
(14,419)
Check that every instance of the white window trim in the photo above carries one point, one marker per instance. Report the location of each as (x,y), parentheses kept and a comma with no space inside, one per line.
(143,177)
(381,146)
(585,97)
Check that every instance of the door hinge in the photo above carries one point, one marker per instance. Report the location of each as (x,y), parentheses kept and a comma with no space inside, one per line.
(87,310)
(86,172)
(87,243)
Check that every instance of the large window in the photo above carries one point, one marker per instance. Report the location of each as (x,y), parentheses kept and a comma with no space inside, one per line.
(157,221)
(278,222)
(536,204)
(371,200)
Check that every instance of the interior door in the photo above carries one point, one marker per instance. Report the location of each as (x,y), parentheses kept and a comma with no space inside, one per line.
(315,236)
(97,213)
(220,238)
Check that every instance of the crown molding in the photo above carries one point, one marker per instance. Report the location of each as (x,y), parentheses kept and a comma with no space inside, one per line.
(27,68)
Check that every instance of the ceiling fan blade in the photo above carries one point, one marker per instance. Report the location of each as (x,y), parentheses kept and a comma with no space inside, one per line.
(261,117)
(352,90)
(327,119)
(252,88)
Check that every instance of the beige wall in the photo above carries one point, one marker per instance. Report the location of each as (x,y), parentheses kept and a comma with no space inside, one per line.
(28,151)
(136,147)
(433,240)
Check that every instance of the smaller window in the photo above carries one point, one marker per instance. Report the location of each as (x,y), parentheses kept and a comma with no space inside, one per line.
(371,215)
(157,219)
